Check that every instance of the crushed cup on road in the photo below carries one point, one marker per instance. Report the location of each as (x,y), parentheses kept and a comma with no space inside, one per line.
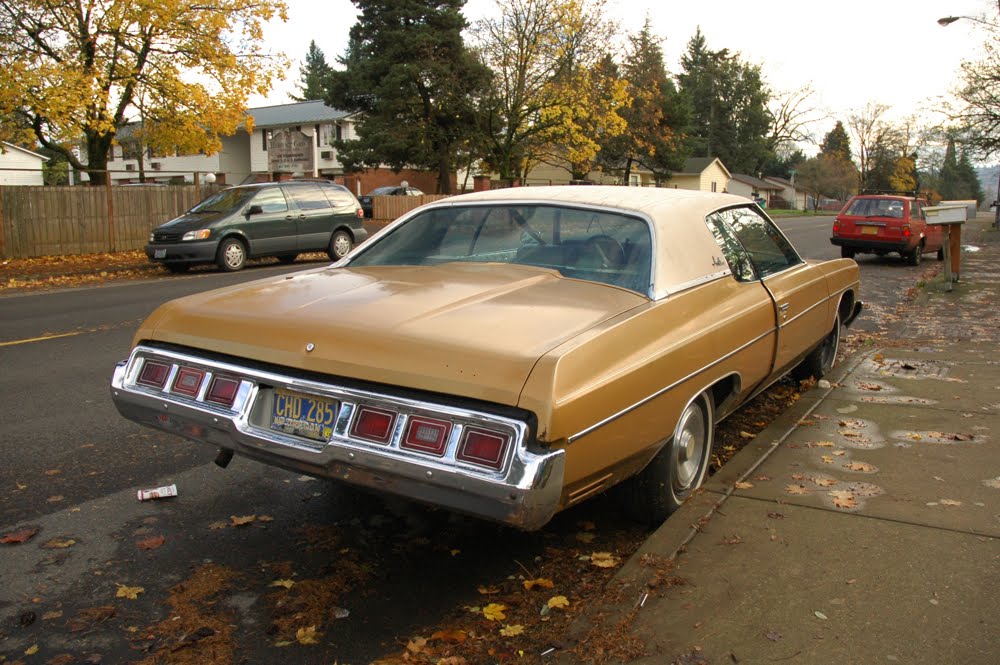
(158,493)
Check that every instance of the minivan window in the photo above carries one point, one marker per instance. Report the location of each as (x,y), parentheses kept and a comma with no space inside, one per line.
(308,197)
(338,197)
(224,201)
(271,200)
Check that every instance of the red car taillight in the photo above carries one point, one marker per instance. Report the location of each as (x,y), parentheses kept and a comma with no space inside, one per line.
(426,435)
(153,374)
(222,391)
(188,381)
(374,425)
(836,228)
(483,447)
(906,231)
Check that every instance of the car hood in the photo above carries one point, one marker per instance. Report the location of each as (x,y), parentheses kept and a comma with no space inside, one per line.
(190,221)
(474,330)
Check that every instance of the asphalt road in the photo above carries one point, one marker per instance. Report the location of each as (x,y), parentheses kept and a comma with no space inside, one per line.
(71,466)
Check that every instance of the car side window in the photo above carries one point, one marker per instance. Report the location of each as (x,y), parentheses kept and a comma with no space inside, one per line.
(270,200)
(737,257)
(769,251)
(338,197)
(916,210)
(309,197)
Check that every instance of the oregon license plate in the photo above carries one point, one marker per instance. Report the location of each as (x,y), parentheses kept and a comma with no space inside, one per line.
(308,416)
(869,230)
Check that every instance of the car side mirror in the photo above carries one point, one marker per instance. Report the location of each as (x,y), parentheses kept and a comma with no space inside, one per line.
(254,210)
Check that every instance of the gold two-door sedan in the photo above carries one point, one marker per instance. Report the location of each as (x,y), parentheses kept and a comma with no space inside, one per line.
(505,354)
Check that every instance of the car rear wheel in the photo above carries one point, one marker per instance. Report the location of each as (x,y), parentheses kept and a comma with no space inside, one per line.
(820,360)
(232,255)
(340,244)
(913,258)
(678,469)
(940,254)
(288,258)
(846,253)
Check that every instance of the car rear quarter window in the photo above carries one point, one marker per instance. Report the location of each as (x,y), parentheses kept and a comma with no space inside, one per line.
(308,197)
(769,250)
(270,200)
(339,198)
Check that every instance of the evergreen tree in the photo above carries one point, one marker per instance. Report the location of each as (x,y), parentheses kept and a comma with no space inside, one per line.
(970,178)
(837,143)
(654,117)
(412,79)
(313,74)
(728,100)
(950,181)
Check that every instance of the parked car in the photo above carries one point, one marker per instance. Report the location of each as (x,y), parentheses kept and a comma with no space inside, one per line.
(882,223)
(506,354)
(368,203)
(281,219)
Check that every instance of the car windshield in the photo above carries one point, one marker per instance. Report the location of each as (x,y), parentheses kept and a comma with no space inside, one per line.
(875,208)
(592,245)
(227,199)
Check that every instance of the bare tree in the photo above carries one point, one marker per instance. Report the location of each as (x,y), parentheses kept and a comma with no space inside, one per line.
(792,116)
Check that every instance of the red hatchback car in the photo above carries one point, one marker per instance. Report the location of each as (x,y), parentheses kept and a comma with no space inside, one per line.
(883,223)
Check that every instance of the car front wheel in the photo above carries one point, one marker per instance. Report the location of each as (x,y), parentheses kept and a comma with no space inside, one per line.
(232,255)
(678,469)
(340,244)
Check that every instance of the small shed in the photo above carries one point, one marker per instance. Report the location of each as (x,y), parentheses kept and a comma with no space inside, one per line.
(704,174)
(755,189)
(19,166)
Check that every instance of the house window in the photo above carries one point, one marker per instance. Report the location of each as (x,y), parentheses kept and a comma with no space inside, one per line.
(316,134)
(714,186)
(340,132)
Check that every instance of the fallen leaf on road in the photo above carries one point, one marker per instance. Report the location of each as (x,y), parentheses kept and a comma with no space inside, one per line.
(31,651)
(869,386)
(416,645)
(19,536)
(863,467)
(743,485)
(130,592)
(215,526)
(151,543)
(53,472)
(86,618)
(307,635)
(950,502)
(585,537)
(54,614)
(55,498)
(242,521)
(288,584)
(540,583)
(843,499)
(20,486)
(494,612)
(450,636)
(59,543)
(604,559)
(558,601)
(796,489)
(827,459)
(747,435)
(511,631)
(488,590)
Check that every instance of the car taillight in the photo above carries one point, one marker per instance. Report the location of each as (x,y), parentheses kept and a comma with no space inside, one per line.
(373,425)
(836,228)
(426,435)
(188,381)
(153,374)
(906,231)
(222,391)
(483,447)
(361,213)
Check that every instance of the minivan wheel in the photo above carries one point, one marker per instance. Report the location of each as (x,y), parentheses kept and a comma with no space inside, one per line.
(232,255)
(340,244)
(846,253)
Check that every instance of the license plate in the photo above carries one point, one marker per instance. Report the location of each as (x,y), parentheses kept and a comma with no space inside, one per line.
(159,253)
(869,230)
(303,415)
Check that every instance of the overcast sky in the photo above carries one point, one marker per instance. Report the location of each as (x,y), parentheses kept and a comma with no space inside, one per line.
(850,51)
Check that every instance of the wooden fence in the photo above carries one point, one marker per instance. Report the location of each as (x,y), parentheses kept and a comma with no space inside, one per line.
(57,221)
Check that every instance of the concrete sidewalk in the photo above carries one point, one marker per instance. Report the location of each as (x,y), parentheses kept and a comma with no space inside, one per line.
(863,527)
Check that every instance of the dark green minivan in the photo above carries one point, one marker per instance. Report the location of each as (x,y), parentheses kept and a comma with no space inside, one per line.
(281,219)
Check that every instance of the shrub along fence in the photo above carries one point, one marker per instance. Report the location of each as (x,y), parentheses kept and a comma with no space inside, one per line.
(56,221)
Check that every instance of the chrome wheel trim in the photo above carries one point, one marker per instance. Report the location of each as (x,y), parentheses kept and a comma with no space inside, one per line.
(689,453)
(234,255)
(341,244)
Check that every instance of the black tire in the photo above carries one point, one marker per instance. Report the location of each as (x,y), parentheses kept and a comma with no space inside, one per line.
(177,268)
(846,253)
(820,360)
(913,258)
(678,469)
(340,244)
(232,255)
(940,254)
(287,259)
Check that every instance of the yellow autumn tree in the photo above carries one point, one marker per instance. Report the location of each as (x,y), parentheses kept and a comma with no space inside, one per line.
(74,72)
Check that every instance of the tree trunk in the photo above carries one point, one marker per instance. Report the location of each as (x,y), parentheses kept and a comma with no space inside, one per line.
(98,148)
(628,170)
(444,174)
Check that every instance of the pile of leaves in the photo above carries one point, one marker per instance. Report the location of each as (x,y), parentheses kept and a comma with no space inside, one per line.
(48,272)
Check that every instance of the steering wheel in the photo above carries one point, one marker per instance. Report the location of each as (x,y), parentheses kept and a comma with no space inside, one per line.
(608,252)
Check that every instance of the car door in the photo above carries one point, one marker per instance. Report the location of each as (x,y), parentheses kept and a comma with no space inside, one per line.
(798,291)
(314,216)
(271,229)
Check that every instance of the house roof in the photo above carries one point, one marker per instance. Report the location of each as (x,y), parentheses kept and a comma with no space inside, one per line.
(756,183)
(11,146)
(697,165)
(299,113)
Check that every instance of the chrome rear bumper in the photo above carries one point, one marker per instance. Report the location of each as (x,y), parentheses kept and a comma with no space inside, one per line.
(525,491)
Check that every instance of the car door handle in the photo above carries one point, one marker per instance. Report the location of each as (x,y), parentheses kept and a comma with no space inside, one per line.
(783,309)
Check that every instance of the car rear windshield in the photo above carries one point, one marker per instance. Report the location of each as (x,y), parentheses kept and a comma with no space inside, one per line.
(875,208)
(593,245)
